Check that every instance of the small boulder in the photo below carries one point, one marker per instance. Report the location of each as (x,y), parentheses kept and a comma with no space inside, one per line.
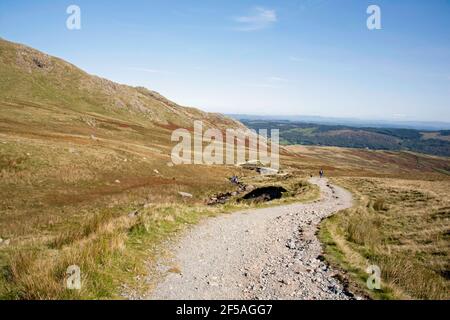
(133,214)
(185,194)
(291,244)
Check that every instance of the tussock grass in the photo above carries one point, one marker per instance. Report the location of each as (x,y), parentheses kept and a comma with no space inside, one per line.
(393,226)
(63,208)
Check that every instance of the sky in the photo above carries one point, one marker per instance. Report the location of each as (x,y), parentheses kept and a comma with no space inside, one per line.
(299,57)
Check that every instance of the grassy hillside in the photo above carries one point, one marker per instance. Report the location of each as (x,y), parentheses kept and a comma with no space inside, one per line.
(400,220)
(77,154)
(298,133)
(68,138)
(86,179)
(47,85)
(400,225)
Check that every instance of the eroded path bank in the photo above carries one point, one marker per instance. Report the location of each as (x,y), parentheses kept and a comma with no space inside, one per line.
(269,253)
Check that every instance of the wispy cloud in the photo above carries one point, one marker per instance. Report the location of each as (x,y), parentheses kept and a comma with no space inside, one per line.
(262,85)
(270,83)
(276,79)
(259,19)
(296,59)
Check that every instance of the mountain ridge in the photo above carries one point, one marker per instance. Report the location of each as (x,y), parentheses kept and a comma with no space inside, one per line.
(33,76)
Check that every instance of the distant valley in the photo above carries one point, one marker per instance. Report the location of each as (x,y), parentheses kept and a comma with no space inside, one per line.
(395,139)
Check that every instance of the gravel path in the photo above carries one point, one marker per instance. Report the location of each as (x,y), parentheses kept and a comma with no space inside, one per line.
(269,253)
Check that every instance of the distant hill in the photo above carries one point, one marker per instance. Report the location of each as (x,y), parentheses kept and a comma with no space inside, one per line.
(353,122)
(429,142)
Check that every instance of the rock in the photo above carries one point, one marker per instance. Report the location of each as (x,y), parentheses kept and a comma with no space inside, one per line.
(334,290)
(170,164)
(185,194)
(213,284)
(297,270)
(285,282)
(267,171)
(93,137)
(133,214)
(291,244)
(6,242)
(117,181)
(220,198)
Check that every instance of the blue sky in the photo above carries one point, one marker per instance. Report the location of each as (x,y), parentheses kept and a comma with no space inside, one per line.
(310,57)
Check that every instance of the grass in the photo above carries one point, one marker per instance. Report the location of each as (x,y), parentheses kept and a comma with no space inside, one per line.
(109,250)
(401,226)
(78,155)
(73,212)
(61,206)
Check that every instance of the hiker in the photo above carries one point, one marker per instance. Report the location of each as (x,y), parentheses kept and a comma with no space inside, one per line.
(234,179)
(321,173)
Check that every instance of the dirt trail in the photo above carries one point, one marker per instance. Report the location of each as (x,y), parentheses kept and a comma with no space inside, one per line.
(269,253)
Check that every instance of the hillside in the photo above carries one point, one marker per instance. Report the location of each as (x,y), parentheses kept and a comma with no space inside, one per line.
(429,142)
(67,136)
(86,179)
(77,154)
(33,82)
